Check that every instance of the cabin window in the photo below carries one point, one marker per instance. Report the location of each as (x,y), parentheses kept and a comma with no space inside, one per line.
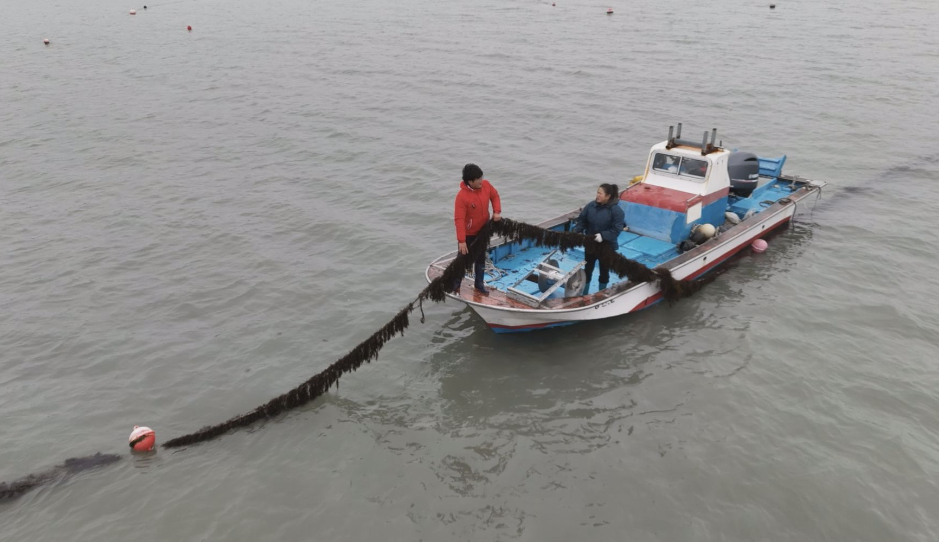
(694,168)
(666,163)
(679,165)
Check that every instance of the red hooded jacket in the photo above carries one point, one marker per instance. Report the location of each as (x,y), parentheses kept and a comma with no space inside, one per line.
(471,209)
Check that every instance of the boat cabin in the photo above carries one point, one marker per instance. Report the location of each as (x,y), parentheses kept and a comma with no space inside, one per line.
(684,184)
(687,183)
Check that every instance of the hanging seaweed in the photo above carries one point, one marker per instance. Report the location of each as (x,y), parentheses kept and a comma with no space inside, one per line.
(365,352)
(319,384)
(436,291)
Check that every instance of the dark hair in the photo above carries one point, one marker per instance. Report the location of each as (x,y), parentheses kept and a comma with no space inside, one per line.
(611,190)
(471,172)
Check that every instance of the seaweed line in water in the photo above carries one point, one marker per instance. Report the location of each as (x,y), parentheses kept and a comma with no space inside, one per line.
(367,350)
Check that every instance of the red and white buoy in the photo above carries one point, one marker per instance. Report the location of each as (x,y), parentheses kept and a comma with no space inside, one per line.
(45,40)
(142,439)
(759,246)
(609,11)
(133,12)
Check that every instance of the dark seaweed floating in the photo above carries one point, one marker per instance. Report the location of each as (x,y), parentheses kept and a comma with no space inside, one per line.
(14,489)
(367,350)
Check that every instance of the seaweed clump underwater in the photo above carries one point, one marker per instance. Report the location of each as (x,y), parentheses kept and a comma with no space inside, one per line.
(73,465)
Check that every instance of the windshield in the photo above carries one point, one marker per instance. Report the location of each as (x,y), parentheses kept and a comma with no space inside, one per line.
(679,165)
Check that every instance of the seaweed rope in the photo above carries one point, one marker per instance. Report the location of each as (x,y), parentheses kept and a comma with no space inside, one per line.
(448,282)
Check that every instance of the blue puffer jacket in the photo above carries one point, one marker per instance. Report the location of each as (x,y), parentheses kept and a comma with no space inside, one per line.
(607,220)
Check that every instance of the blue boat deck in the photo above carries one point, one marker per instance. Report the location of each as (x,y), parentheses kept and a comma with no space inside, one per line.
(760,199)
(512,262)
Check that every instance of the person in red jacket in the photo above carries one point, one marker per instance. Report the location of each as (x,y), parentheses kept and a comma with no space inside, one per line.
(470,214)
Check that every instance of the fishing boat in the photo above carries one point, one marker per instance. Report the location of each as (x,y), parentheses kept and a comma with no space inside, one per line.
(695,206)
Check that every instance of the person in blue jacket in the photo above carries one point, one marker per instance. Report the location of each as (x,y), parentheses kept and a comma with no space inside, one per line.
(603,219)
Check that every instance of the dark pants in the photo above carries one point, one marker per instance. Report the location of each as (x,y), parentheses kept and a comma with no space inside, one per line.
(592,258)
(479,266)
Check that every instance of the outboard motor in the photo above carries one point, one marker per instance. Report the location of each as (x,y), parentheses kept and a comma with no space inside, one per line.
(744,171)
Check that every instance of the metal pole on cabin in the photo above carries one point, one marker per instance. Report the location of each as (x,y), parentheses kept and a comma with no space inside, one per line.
(678,135)
(704,144)
(670,130)
(714,137)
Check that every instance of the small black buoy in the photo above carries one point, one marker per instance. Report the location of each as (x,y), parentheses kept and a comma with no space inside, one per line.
(145,7)
(772,6)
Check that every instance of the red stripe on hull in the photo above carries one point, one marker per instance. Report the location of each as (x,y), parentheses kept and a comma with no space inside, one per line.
(526,326)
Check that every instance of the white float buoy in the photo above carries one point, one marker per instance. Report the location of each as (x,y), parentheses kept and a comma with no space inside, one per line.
(706,230)
(45,40)
(759,246)
(133,12)
(609,11)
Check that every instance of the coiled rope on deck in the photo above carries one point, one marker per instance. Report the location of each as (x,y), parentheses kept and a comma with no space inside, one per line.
(449,281)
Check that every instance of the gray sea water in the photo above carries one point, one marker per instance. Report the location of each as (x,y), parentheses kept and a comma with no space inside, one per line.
(194,222)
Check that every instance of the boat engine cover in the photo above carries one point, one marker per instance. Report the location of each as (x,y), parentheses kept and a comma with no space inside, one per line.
(744,171)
